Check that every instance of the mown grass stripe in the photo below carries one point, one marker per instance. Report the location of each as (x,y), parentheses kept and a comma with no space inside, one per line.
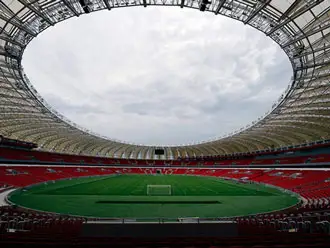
(79,197)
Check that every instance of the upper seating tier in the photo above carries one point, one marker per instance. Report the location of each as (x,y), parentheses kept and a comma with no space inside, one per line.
(17,156)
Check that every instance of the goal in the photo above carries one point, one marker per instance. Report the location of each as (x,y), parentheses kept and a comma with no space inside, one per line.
(159,190)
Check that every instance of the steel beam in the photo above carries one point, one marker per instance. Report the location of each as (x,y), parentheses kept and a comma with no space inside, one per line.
(106,2)
(73,10)
(294,16)
(257,11)
(220,5)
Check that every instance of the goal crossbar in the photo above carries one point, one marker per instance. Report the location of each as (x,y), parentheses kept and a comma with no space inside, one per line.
(156,189)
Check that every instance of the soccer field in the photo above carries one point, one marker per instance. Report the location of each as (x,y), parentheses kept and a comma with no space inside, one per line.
(128,196)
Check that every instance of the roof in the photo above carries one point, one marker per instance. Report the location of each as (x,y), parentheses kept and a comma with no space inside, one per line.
(301,115)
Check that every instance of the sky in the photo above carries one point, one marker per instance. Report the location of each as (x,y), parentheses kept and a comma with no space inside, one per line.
(157,76)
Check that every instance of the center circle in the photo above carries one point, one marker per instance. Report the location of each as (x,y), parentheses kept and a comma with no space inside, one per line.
(152,196)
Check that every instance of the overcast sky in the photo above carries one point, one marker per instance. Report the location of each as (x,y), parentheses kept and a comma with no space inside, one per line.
(157,75)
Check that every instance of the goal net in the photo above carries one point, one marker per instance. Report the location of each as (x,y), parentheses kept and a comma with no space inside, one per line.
(159,190)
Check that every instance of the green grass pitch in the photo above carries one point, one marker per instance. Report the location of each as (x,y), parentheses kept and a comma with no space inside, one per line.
(125,196)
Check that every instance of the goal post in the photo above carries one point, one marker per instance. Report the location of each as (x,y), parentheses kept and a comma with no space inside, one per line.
(159,190)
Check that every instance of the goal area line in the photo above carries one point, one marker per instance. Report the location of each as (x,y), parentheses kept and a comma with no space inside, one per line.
(158,190)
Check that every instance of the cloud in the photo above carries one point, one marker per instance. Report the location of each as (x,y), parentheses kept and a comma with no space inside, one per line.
(157,75)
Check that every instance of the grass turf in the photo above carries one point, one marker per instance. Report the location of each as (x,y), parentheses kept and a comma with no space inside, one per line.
(126,196)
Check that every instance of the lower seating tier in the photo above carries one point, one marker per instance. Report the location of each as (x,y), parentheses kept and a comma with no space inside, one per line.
(313,185)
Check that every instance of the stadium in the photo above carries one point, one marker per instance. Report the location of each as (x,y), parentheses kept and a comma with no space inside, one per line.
(265,185)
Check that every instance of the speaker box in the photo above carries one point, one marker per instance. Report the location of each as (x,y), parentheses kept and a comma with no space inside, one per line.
(159,151)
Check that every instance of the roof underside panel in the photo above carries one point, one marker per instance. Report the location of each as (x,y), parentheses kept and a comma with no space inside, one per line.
(301,115)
